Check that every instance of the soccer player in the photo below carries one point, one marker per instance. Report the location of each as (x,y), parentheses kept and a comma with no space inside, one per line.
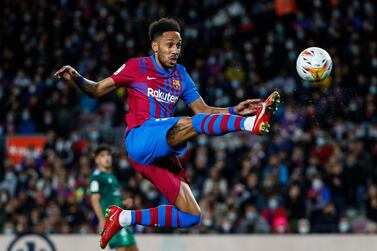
(105,191)
(154,137)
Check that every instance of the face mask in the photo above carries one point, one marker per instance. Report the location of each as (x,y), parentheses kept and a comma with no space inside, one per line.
(207,222)
(373,89)
(344,227)
(226,227)
(75,137)
(8,231)
(303,229)
(320,141)
(25,116)
(48,120)
(374,62)
(280,229)
(32,89)
(123,164)
(232,216)
(317,184)
(251,215)
(235,84)
(211,60)
(59,146)
(273,204)
(202,141)
(152,195)
(94,135)
(3,198)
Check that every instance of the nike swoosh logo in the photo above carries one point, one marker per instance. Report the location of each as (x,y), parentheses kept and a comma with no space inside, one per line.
(149,78)
(111,217)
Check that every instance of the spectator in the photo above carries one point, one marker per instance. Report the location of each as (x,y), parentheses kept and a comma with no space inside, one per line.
(320,156)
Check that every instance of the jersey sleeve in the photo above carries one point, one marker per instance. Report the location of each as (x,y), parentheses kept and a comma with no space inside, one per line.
(95,185)
(126,73)
(190,92)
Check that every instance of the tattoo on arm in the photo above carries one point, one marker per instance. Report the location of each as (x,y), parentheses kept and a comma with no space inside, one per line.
(218,110)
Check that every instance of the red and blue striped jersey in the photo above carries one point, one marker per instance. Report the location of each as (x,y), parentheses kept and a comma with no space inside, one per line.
(152,91)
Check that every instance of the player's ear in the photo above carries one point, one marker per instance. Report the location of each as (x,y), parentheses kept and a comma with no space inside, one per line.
(155,46)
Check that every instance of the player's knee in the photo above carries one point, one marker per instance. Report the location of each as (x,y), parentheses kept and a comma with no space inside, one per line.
(184,121)
(196,211)
(189,220)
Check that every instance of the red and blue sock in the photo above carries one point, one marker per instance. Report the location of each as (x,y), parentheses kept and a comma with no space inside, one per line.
(164,216)
(219,124)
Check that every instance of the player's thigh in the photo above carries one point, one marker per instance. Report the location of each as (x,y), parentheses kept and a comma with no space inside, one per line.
(181,132)
(166,175)
(186,201)
(147,143)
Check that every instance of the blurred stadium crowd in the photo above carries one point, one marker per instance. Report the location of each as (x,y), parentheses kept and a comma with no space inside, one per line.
(316,171)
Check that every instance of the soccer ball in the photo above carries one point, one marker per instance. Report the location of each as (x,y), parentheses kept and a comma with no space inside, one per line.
(313,64)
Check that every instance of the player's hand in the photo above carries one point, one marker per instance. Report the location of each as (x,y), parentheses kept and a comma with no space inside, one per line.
(67,73)
(247,107)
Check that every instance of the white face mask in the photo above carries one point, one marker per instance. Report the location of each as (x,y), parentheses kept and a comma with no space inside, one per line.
(280,229)
(251,215)
(207,222)
(226,227)
(317,184)
(272,204)
(303,229)
(124,164)
(8,231)
(344,227)
(152,195)
(232,216)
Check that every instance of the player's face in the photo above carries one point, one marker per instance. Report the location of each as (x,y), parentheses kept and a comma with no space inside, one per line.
(168,48)
(104,160)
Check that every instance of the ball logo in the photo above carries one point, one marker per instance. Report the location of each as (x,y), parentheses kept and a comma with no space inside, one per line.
(31,242)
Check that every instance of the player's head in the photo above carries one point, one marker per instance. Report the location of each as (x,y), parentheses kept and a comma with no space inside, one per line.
(102,157)
(166,41)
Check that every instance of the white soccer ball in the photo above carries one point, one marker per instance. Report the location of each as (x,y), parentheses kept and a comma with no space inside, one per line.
(314,64)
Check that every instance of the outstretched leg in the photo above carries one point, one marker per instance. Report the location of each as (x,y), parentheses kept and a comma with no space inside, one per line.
(219,124)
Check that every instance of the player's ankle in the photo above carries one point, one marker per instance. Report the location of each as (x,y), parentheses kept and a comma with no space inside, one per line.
(249,123)
(125,218)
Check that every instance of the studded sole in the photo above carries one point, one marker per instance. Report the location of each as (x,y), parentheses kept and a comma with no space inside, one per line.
(274,103)
(264,128)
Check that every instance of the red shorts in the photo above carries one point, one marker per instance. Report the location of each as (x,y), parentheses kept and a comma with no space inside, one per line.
(166,174)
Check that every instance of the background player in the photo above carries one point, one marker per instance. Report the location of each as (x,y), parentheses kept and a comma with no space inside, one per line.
(154,137)
(105,191)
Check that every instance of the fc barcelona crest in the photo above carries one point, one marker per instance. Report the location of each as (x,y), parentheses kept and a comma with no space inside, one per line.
(176,84)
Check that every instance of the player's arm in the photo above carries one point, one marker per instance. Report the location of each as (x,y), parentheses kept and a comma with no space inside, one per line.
(96,205)
(95,198)
(246,107)
(91,88)
(196,103)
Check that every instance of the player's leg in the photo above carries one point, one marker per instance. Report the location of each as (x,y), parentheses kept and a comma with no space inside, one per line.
(167,175)
(185,213)
(219,124)
(185,201)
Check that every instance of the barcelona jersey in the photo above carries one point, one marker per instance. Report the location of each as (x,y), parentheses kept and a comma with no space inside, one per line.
(152,91)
